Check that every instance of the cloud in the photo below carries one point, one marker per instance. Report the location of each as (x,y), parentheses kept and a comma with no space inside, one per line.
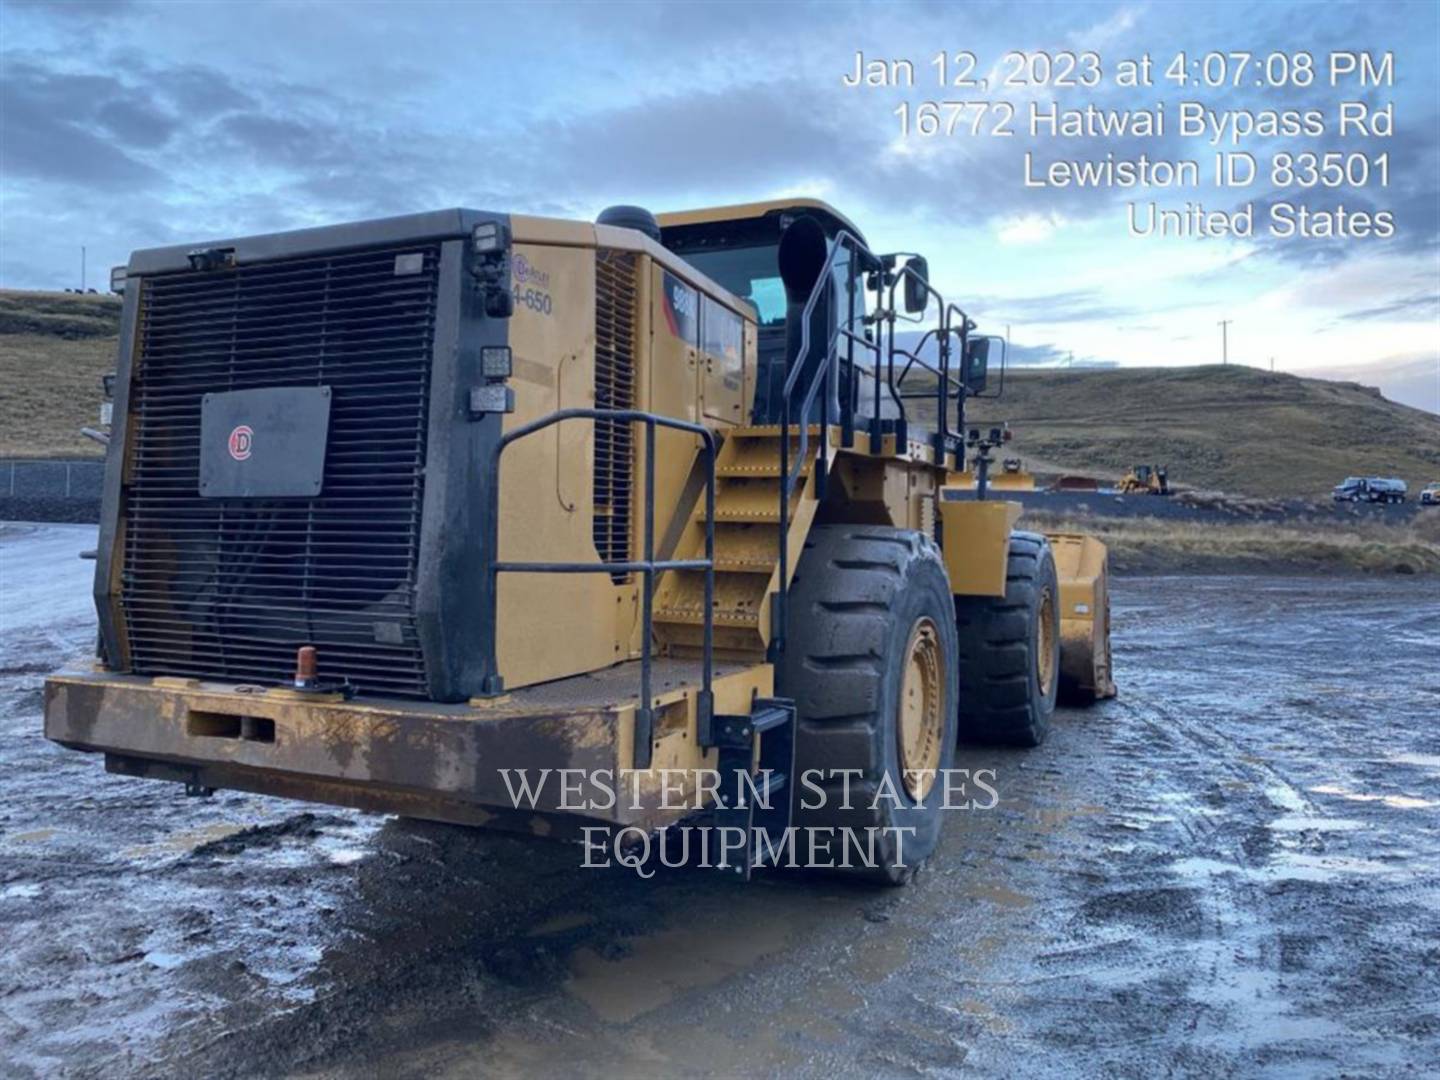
(1410,378)
(1075,305)
(1424,305)
(53,127)
(198,92)
(1108,30)
(1028,228)
(78,10)
(127,126)
(1412,196)
(136,123)
(1046,354)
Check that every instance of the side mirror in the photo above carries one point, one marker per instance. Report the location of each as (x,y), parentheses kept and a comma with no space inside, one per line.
(977,364)
(917,296)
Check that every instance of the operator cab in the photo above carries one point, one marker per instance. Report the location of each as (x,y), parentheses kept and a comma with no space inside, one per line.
(868,323)
(740,248)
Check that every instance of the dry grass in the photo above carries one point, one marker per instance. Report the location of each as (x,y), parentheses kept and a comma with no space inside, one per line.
(62,315)
(1233,429)
(53,349)
(49,387)
(1151,545)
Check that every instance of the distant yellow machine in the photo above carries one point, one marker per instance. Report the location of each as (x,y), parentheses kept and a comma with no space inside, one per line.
(1144,480)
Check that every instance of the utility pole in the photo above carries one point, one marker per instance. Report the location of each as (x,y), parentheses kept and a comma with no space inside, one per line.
(1225,340)
(82,268)
(1272,365)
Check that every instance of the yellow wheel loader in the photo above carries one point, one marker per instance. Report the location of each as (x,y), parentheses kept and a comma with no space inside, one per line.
(554,526)
(1144,480)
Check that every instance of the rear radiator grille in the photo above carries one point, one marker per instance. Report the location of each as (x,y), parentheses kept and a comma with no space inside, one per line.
(230,588)
(616,298)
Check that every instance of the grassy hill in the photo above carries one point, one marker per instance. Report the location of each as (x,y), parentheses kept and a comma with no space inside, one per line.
(1226,428)
(53,349)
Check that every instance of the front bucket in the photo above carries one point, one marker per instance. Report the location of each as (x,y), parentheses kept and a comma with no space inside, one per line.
(1081,563)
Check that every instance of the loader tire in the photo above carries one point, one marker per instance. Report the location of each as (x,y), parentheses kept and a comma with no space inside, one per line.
(869,661)
(1010,650)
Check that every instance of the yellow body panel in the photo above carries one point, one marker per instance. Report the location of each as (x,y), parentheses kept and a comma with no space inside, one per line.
(1001,480)
(547,510)
(977,544)
(542,230)
(883,490)
(669,372)
(546,507)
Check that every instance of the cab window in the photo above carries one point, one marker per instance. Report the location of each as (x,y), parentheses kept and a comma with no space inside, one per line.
(751,273)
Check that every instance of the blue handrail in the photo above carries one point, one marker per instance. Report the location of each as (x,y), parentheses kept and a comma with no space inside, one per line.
(826,376)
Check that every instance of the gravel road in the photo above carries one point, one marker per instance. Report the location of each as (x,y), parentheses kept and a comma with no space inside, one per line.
(1233,869)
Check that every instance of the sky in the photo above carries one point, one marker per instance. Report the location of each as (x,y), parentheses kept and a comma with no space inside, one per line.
(130,125)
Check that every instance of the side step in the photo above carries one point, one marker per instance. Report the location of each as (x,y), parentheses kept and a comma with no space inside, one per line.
(756,801)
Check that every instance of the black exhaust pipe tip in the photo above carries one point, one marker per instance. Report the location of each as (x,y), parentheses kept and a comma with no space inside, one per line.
(803,251)
(631,217)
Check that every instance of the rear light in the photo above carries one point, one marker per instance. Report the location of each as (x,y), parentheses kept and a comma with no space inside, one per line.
(487,237)
(495,362)
(493,398)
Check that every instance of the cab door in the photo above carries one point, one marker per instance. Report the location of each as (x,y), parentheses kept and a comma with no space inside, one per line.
(723,361)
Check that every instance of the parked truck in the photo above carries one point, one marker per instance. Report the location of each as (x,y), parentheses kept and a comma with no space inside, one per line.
(1372,489)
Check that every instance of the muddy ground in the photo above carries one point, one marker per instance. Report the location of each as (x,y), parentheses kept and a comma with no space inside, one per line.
(1233,869)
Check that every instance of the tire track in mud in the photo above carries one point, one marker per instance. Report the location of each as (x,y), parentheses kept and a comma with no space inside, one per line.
(1225,894)
(1303,890)
(1172,958)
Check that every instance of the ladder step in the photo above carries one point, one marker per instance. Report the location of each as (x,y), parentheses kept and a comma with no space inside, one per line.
(745,516)
(696,617)
(758,472)
(772,431)
(745,565)
(770,784)
(766,719)
(737,600)
(755,500)
(747,546)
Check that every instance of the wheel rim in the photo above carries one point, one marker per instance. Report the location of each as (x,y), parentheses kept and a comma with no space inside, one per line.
(921,728)
(1045,644)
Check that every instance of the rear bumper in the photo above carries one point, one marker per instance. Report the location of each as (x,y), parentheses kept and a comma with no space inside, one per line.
(443,762)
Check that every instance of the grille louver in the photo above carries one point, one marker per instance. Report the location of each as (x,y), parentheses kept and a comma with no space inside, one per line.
(230,588)
(616,296)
